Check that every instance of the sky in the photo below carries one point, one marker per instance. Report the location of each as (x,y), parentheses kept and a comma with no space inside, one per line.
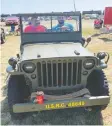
(41,6)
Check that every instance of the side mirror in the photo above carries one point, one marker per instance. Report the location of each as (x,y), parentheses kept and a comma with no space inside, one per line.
(88,40)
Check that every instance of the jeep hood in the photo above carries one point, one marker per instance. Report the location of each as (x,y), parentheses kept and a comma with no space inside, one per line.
(32,51)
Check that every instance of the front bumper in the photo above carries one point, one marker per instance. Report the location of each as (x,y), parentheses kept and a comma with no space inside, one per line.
(61,104)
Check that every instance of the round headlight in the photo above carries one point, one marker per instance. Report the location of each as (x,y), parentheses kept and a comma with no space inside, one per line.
(29,67)
(89,64)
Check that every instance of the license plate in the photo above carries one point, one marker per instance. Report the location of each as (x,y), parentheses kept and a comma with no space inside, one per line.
(65,105)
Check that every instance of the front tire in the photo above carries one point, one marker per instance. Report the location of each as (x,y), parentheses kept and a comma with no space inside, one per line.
(17,92)
(97,84)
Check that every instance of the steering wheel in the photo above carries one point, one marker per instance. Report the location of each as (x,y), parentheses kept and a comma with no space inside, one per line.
(64,29)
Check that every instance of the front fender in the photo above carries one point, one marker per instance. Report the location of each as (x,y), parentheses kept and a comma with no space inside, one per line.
(11,71)
(103,65)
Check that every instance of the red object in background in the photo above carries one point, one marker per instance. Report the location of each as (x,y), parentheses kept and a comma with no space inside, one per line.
(40,28)
(40,99)
(108,16)
(97,22)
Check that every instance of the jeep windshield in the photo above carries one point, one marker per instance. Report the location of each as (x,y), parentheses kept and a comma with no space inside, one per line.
(50,27)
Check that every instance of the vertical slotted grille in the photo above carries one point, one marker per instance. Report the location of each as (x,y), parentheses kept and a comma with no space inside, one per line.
(59,73)
(49,74)
(79,72)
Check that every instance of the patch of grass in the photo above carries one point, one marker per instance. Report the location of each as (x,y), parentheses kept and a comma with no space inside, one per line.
(111,53)
(89,31)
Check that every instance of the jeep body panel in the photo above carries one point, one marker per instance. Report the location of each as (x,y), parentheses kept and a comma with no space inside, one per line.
(50,50)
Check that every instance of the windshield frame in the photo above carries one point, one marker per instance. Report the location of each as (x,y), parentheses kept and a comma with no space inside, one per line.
(30,38)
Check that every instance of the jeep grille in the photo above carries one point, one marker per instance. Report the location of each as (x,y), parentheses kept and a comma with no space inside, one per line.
(61,73)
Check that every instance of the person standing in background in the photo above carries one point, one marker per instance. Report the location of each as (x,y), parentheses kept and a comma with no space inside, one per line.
(12,28)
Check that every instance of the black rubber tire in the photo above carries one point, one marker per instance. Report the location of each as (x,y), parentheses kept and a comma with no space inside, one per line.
(97,84)
(18,91)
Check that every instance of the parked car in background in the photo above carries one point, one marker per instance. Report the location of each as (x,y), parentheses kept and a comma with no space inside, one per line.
(94,16)
(86,18)
(12,20)
(70,18)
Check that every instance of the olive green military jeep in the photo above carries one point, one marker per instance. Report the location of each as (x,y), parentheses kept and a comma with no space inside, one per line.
(54,70)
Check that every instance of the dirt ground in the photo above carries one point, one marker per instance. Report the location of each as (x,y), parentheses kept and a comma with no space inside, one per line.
(75,116)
